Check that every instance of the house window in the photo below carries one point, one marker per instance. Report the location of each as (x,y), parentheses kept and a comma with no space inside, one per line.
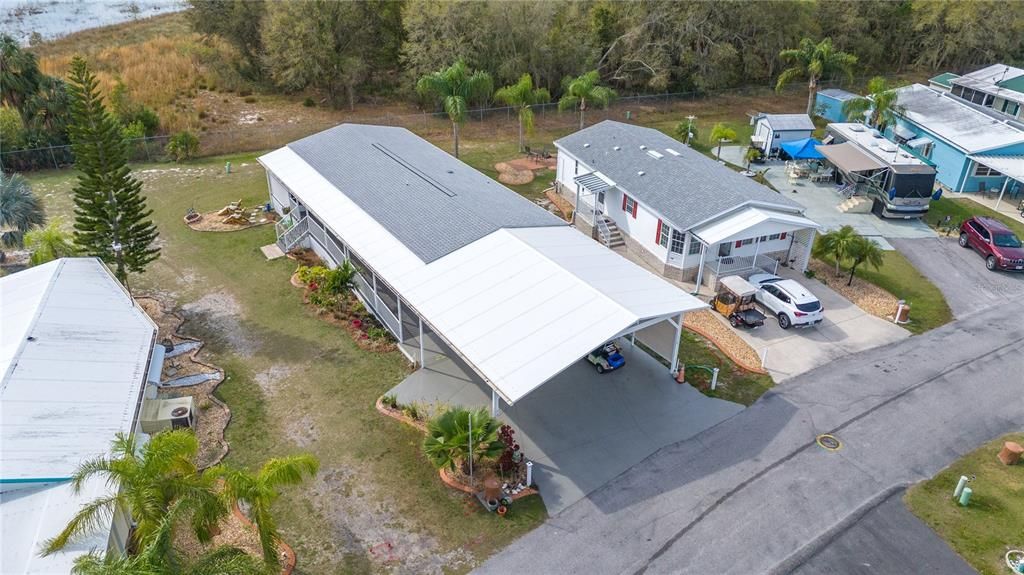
(678,241)
(576,169)
(694,246)
(1010,108)
(664,232)
(745,242)
(629,205)
(983,171)
(773,237)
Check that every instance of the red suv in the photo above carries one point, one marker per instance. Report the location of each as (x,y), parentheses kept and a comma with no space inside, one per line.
(993,240)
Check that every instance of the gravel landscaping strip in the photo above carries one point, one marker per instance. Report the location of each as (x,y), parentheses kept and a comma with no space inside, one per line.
(711,326)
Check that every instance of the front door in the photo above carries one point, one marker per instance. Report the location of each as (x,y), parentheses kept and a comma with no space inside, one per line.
(600,202)
(724,249)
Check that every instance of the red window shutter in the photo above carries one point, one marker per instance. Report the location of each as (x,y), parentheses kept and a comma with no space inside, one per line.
(623,202)
(634,209)
(657,234)
(782,236)
(739,243)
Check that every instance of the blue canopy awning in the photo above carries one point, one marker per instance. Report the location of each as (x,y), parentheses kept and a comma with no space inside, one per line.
(803,149)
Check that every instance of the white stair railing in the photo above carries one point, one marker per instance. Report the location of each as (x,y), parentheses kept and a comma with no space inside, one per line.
(292,235)
(603,231)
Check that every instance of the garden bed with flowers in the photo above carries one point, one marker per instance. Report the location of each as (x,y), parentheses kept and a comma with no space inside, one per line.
(329,292)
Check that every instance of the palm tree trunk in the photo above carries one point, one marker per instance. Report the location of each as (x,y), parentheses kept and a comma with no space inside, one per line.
(837,264)
(812,93)
(853,270)
(455,132)
(521,146)
(583,108)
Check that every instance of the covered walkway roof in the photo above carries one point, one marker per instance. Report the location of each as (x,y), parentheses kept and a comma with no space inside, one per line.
(519,304)
(1011,166)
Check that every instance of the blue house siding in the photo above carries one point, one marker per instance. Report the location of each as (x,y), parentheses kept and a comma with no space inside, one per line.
(829,108)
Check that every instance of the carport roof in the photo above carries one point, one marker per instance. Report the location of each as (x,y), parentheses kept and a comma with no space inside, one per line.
(750,223)
(519,305)
(1012,166)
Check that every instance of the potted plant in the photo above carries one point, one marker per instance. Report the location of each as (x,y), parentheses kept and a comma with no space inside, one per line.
(502,510)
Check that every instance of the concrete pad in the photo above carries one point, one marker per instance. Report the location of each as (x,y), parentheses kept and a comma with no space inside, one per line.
(272,251)
(582,429)
(846,329)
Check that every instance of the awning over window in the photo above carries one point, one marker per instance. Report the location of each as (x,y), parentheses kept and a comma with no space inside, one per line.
(594,182)
(919,142)
(1012,166)
(903,132)
(751,223)
(849,158)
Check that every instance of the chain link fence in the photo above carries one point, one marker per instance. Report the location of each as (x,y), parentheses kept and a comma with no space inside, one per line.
(489,123)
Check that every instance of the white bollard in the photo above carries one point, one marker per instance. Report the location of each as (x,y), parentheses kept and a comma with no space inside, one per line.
(960,486)
(529,473)
(714,379)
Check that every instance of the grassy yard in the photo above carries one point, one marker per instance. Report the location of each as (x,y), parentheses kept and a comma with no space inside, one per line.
(295,384)
(899,277)
(734,383)
(959,209)
(993,523)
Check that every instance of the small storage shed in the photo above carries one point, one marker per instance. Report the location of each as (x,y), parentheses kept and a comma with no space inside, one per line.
(770,130)
(828,104)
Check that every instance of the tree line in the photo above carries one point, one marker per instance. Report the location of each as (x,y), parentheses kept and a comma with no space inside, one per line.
(352,51)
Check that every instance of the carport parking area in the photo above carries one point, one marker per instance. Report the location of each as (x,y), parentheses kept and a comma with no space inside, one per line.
(581,429)
(846,329)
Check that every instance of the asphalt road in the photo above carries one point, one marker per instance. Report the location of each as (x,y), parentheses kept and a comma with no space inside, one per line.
(887,540)
(961,275)
(756,494)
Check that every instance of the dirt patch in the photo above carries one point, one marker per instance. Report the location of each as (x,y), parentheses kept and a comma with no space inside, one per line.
(507,174)
(220,314)
(270,379)
(865,295)
(533,163)
(215,222)
(719,333)
(364,524)
(302,431)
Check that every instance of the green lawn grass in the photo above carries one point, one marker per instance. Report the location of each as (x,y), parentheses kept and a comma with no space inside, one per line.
(734,384)
(992,523)
(959,209)
(928,307)
(328,385)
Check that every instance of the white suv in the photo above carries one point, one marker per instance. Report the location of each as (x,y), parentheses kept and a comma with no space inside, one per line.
(787,300)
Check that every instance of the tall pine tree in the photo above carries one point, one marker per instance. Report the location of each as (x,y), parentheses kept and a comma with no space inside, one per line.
(111,219)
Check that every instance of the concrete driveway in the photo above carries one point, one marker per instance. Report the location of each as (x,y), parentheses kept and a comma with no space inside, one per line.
(582,429)
(847,329)
(961,275)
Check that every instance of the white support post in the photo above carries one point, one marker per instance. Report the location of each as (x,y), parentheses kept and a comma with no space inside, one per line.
(700,267)
(632,339)
(400,338)
(422,362)
(576,208)
(808,248)
(1006,182)
(675,345)
(494,403)
(967,174)
(757,248)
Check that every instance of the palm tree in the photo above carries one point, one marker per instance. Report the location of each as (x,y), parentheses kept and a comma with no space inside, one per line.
(20,211)
(448,437)
(19,74)
(151,482)
(259,491)
(750,155)
(835,244)
(157,557)
(881,101)
(721,133)
(864,250)
(455,88)
(814,61)
(49,243)
(522,95)
(584,90)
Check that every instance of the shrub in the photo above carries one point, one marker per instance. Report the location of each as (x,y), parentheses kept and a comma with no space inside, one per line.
(377,333)
(412,411)
(308,102)
(448,439)
(511,457)
(323,300)
(390,400)
(250,99)
(133,131)
(183,146)
(339,279)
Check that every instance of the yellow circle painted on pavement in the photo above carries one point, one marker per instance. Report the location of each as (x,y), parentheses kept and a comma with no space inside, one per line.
(829,442)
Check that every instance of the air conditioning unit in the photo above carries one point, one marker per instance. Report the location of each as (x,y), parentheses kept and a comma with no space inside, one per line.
(161,414)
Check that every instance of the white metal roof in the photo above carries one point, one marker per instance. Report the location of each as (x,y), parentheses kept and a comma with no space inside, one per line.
(74,352)
(28,517)
(789,122)
(954,121)
(874,144)
(1012,166)
(751,223)
(519,305)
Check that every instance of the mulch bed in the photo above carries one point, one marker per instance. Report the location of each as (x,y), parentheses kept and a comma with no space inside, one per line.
(356,323)
(559,202)
(707,324)
(533,163)
(864,294)
(507,174)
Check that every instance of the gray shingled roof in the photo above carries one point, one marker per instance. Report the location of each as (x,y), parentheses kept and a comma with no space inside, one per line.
(430,201)
(686,189)
(786,122)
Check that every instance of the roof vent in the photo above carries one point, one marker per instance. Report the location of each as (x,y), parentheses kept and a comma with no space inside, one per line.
(655,155)
(673,152)
(587,145)
(640,173)
(643,147)
(616,148)
(856,128)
